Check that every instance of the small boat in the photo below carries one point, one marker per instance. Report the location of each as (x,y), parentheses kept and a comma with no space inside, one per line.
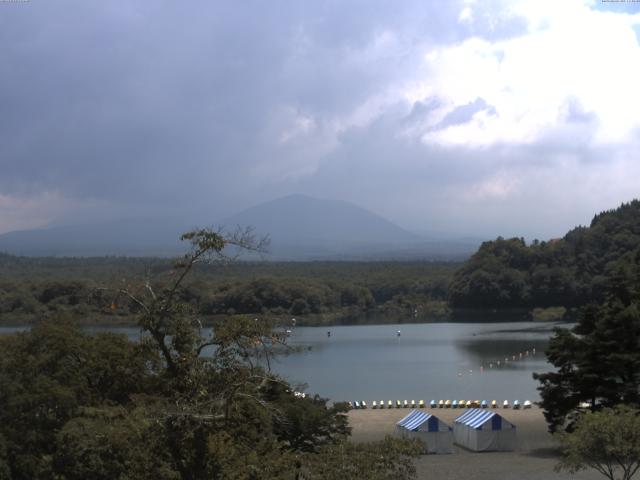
(356,404)
(374,405)
(398,333)
(433,404)
(440,403)
(516,405)
(494,404)
(398,404)
(505,404)
(350,405)
(390,404)
(364,404)
(526,404)
(469,404)
(454,404)
(413,404)
(484,404)
(381,403)
(421,404)
(447,404)
(406,404)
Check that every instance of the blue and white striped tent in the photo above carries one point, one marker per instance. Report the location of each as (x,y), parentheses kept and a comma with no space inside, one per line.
(483,430)
(437,435)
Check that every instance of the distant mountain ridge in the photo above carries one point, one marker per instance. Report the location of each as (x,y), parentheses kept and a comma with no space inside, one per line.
(300,227)
(299,224)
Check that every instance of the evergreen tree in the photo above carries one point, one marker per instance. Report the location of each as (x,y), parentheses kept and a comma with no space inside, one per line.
(598,361)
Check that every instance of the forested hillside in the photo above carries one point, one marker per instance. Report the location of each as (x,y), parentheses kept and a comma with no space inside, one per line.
(570,272)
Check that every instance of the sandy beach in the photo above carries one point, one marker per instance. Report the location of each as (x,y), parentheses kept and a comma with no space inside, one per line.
(534,458)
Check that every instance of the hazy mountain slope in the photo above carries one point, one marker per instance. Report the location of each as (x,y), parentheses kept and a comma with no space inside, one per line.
(123,237)
(303,220)
(300,228)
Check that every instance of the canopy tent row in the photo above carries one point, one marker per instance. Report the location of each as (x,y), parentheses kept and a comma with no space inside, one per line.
(483,430)
(436,434)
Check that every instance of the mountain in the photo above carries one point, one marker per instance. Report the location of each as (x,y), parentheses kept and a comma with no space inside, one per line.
(121,237)
(299,225)
(300,228)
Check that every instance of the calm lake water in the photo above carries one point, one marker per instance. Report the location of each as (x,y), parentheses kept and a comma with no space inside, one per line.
(427,361)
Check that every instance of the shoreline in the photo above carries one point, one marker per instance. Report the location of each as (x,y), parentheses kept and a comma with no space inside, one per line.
(534,457)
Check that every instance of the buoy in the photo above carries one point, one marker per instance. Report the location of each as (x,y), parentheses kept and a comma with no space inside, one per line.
(328,334)
(398,332)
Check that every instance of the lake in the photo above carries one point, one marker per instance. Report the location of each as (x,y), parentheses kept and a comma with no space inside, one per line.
(427,361)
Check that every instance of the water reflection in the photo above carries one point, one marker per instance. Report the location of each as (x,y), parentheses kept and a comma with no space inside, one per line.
(442,360)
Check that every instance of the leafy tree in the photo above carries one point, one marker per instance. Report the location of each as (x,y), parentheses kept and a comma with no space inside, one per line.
(607,441)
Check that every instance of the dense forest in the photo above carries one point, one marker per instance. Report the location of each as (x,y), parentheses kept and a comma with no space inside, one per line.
(567,272)
(313,292)
(570,272)
(77,406)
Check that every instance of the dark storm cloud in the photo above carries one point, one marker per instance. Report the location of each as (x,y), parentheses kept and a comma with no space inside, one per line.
(198,109)
(156,101)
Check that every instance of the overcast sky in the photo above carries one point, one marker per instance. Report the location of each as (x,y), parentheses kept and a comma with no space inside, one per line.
(479,118)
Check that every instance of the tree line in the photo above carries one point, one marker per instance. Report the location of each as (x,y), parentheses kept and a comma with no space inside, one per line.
(33,288)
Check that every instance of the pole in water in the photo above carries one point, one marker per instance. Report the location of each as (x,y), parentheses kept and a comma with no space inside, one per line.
(328,333)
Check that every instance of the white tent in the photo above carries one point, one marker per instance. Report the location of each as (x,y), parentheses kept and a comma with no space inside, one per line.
(436,434)
(483,430)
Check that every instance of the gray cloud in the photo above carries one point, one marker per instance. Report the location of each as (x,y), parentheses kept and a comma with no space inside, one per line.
(199,109)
